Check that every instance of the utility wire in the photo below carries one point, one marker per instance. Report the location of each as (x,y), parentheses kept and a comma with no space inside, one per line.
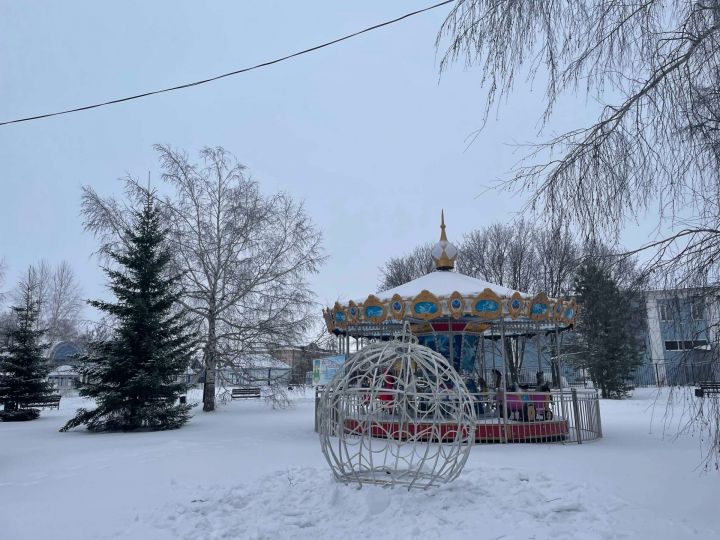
(231,73)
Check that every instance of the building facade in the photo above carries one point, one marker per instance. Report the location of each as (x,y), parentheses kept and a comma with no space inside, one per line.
(300,360)
(682,336)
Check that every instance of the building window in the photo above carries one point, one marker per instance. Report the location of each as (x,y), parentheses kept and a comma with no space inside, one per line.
(666,313)
(685,345)
(697,310)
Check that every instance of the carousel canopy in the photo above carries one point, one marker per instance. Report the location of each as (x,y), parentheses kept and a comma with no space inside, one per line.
(445,295)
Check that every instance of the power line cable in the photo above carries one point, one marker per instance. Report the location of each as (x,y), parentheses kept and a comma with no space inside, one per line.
(231,73)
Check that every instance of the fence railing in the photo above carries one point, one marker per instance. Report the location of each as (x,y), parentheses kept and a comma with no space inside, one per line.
(682,373)
(656,374)
(569,415)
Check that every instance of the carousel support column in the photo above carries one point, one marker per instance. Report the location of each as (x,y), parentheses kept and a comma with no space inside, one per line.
(494,348)
(491,380)
(475,358)
(539,356)
(504,379)
(559,371)
(482,356)
(451,344)
(557,355)
(554,360)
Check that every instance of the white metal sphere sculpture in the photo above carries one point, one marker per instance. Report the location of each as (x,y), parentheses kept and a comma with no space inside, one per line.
(396,414)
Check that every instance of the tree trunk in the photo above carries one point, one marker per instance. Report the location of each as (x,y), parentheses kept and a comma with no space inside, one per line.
(511,369)
(554,362)
(210,366)
(514,357)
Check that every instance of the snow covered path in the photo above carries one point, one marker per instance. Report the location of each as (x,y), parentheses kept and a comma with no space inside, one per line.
(247,471)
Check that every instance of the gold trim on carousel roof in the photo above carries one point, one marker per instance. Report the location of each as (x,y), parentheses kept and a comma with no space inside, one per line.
(486,306)
(353,311)
(516,305)
(374,310)
(558,309)
(327,315)
(540,307)
(339,316)
(456,304)
(397,307)
(570,311)
(426,306)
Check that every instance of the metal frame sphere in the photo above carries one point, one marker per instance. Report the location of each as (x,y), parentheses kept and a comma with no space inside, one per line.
(396,414)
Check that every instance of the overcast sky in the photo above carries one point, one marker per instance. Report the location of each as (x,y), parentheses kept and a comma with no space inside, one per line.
(365,132)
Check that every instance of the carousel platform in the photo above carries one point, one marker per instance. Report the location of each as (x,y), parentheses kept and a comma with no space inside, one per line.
(486,430)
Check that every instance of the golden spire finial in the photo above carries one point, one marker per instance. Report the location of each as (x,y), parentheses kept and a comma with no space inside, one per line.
(442,225)
(444,253)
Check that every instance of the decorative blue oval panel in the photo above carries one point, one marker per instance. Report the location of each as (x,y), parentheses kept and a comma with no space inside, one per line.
(455,304)
(397,306)
(539,309)
(490,306)
(339,316)
(373,311)
(516,304)
(569,313)
(425,307)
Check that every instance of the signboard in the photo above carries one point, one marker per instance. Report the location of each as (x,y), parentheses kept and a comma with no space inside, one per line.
(324,369)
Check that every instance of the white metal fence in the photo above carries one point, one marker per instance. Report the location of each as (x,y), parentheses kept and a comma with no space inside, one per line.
(567,416)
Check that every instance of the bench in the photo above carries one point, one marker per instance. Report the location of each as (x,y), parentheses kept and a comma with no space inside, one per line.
(707,387)
(246,392)
(51,402)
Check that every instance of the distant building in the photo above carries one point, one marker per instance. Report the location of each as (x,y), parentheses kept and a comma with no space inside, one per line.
(63,357)
(682,335)
(64,353)
(63,378)
(299,359)
(256,370)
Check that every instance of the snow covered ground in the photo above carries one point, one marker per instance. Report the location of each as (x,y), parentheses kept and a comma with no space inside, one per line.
(247,471)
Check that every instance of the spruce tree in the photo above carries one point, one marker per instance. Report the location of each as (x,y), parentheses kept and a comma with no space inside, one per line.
(135,377)
(609,343)
(23,366)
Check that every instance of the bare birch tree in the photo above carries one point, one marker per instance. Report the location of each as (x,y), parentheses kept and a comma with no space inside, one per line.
(484,253)
(58,297)
(505,255)
(558,257)
(399,270)
(64,304)
(244,256)
(653,151)
(39,279)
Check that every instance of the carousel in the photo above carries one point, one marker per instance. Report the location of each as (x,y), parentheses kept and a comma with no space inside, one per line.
(476,327)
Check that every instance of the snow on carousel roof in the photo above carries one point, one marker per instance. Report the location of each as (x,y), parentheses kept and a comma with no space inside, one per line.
(444,283)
